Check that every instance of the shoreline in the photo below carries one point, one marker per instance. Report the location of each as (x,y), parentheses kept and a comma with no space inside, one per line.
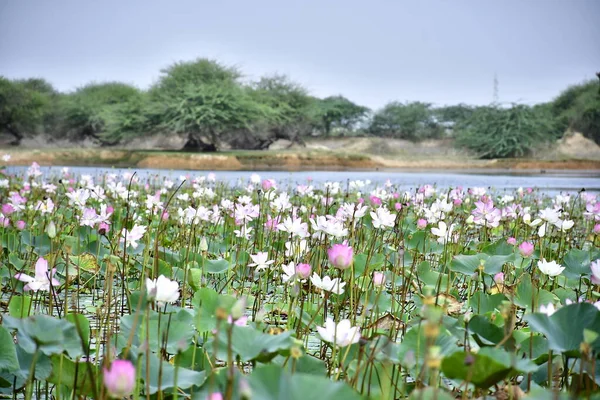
(294,161)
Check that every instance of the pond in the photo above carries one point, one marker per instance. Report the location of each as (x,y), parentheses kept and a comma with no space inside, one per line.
(499,180)
(356,284)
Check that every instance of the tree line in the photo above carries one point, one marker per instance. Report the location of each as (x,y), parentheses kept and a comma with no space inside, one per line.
(214,108)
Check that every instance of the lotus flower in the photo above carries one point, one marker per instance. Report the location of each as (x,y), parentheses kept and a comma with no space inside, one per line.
(550,268)
(42,280)
(163,290)
(595,266)
(119,379)
(341,334)
(340,255)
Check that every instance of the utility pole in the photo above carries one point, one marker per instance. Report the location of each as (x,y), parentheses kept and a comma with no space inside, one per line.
(495,95)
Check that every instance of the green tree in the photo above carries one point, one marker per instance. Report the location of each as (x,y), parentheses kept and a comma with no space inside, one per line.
(578,109)
(337,112)
(454,114)
(22,108)
(108,112)
(496,132)
(289,109)
(205,100)
(413,121)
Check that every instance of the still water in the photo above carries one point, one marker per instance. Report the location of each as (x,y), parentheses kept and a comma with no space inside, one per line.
(552,182)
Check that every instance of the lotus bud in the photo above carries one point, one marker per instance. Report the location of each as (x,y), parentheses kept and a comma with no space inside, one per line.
(245,390)
(303,270)
(51,230)
(526,249)
(203,244)
(378,279)
(259,317)
(239,309)
(119,379)
(340,256)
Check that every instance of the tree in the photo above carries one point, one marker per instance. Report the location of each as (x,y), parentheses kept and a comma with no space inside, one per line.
(496,132)
(578,109)
(209,111)
(205,100)
(453,115)
(178,77)
(291,109)
(339,112)
(108,112)
(413,121)
(22,108)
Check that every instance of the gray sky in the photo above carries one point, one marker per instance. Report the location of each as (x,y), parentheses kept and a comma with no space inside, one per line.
(440,51)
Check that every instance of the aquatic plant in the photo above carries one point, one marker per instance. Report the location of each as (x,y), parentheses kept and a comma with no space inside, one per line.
(114,285)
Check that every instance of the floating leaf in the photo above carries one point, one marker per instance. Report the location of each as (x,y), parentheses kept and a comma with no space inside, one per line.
(272,383)
(565,328)
(49,335)
(8,352)
(19,306)
(576,262)
(486,367)
(249,344)
(163,376)
(82,376)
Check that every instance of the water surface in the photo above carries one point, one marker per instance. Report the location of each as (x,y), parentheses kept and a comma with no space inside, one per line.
(551,182)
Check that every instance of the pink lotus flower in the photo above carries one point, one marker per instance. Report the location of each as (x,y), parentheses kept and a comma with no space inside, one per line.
(103,228)
(376,201)
(272,223)
(597,229)
(595,267)
(119,379)
(268,184)
(526,249)
(7,209)
(512,241)
(499,277)
(20,225)
(378,279)
(303,270)
(340,255)
(421,223)
(42,280)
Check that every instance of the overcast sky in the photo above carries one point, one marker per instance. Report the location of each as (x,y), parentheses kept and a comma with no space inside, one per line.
(439,51)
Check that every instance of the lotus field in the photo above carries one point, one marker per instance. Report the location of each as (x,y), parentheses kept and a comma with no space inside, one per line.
(118,286)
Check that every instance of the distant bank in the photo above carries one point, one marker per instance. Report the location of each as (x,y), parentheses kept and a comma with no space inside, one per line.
(287,160)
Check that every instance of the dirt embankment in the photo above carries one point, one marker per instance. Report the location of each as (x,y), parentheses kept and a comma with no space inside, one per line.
(573,152)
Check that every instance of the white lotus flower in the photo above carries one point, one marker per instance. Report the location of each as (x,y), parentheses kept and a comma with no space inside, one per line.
(382,218)
(564,225)
(443,232)
(550,268)
(547,309)
(341,334)
(261,260)
(162,290)
(289,272)
(327,284)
